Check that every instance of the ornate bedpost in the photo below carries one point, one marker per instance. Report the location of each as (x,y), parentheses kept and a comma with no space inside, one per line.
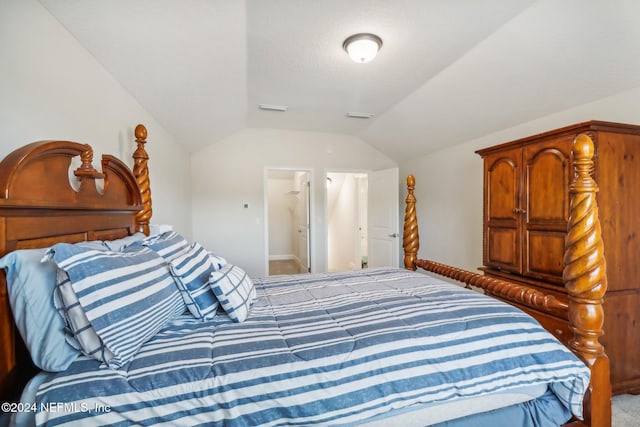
(141,172)
(410,239)
(585,279)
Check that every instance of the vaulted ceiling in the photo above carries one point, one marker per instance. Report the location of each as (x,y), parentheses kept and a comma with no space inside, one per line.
(449,70)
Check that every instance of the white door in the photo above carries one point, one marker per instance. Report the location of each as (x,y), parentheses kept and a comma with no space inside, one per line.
(383,219)
(304,228)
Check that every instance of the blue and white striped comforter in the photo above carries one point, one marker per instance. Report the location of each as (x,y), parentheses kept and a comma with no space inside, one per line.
(322,349)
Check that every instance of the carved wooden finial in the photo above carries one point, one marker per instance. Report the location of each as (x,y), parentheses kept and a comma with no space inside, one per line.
(86,169)
(141,139)
(141,172)
(410,237)
(585,278)
(411,183)
(141,133)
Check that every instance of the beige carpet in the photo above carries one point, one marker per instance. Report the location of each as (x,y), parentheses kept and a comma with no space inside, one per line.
(626,411)
(288,266)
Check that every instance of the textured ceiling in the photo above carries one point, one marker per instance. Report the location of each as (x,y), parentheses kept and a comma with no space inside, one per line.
(449,70)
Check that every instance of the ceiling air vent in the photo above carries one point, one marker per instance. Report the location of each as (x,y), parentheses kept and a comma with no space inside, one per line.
(357,115)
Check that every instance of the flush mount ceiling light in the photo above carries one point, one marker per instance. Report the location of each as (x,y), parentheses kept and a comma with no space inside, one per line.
(362,47)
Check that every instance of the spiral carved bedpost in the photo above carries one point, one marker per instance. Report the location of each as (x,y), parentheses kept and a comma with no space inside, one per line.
(410,239)
(585,279)
(141,172)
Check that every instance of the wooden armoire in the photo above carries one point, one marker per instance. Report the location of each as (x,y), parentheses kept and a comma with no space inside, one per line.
(526,208)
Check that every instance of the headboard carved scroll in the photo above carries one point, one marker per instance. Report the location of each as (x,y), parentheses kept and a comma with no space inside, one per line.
(86,169)
(36,175)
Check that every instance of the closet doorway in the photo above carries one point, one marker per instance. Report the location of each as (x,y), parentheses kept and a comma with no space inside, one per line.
(363,220)
(288,221)
(347,239)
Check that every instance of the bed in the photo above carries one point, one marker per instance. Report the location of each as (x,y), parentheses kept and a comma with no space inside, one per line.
(132,326)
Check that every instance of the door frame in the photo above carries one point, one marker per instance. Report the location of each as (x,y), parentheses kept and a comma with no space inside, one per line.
(265,191)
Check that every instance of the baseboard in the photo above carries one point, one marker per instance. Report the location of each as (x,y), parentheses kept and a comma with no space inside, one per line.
(286,257)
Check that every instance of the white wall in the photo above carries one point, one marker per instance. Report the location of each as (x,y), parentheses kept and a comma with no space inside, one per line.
(52,88)
(449,182)
(231,172)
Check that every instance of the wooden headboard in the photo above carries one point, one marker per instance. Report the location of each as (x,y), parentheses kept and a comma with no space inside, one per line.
(39,206)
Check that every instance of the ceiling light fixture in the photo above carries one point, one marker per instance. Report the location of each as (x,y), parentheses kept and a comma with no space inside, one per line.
(362,47)
(358,115)
(271,107)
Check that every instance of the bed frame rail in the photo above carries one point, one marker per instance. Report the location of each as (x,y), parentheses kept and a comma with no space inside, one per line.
(584,276)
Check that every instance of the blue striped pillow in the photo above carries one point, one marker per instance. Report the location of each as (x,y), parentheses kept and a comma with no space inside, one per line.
(120,244)
(235,291)
(127,297)
(191,271)
(168,245)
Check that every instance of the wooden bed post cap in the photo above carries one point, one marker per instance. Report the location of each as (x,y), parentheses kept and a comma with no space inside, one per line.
(583,150)
(141,132)
(411,181)
(583,147)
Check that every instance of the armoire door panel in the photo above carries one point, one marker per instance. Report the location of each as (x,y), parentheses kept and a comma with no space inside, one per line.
(502,211)
(503,184)
(546,195)
(502,248)
(546,182)
(544,255)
